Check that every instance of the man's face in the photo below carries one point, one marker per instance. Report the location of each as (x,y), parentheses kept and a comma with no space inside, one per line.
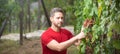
(57,19)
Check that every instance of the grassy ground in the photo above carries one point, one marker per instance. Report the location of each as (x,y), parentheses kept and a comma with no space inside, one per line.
(30,46)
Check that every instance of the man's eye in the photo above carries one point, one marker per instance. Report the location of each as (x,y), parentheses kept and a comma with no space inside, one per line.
(61,17)
(57,17)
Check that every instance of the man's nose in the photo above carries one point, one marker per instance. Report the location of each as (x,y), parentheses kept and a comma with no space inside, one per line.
(61,20)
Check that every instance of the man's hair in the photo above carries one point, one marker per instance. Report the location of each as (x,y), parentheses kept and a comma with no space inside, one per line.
(54,10)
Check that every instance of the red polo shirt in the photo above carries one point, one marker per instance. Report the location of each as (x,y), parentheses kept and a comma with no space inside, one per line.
(49,35)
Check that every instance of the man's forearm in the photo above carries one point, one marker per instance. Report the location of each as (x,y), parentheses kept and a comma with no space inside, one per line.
(66,44)
(54,45)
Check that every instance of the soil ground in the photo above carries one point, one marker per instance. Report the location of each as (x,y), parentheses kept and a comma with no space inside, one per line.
(31,46)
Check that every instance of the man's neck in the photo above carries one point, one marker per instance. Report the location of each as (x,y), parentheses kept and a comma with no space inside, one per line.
(56,29)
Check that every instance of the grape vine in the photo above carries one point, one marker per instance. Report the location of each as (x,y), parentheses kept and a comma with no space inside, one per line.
(104,36)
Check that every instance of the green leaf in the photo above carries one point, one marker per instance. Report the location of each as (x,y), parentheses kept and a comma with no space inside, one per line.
(109,35)
(99,10)
(93,39)
(83,49)
(116,27)
(96,49)
(116,44)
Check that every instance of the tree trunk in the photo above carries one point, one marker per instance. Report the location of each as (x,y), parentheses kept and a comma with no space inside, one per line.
(45,13)
(21,22)
(3,27)
(21,27)
(29,16)
(38,21)
(9,24)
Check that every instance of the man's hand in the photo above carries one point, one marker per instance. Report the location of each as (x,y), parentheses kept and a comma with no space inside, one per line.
(87,23)
(81,35)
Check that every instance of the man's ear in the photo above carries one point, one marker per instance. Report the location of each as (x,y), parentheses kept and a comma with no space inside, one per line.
(51,19)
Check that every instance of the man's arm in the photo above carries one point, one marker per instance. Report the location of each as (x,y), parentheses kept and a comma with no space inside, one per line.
(77,43)
(54,45)
(87,23)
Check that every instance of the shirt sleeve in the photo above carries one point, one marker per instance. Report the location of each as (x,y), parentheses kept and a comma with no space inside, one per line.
(45,38)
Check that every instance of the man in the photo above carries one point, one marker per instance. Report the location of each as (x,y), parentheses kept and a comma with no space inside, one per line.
(56,40)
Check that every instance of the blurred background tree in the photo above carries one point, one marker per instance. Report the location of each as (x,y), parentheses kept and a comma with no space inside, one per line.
(34,15)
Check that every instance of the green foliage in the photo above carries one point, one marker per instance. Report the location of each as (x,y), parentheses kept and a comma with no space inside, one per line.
(106,16)
(9,10)
(3,10)
(116,44)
